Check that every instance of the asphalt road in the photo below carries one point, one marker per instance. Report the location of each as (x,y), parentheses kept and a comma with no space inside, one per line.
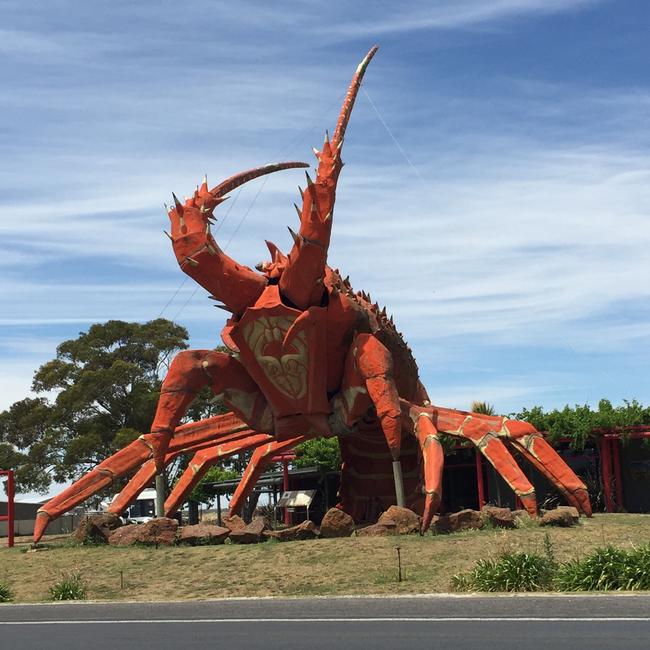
(619,622)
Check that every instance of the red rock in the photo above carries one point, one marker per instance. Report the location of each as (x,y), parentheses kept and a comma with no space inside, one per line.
(572,510)
(97,528)
(161,531)
(405,520)
(557,517)
(250,534)
(378,530)
(456,521)
(233,523)
(336,523)
(502,517)
(124,536)
(305,530)
(202,534)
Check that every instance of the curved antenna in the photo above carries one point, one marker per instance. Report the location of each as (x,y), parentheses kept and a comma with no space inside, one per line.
(351,95)
(243,177)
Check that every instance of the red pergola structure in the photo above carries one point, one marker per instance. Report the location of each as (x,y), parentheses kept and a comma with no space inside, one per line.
(285,458)
(609,447)
(9,517)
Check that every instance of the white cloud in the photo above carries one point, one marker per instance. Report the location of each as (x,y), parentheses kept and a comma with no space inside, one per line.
(444,15)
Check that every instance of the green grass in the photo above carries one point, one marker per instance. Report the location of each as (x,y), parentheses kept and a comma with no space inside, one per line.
(6,595)
(70,587)
(607,569)
(508,572)
(355,565)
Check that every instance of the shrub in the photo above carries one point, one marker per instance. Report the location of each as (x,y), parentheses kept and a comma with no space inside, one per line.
(69,587)
(607,569)
(508,572)
(6,595)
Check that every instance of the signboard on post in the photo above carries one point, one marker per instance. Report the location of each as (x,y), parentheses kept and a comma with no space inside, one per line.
(296,499)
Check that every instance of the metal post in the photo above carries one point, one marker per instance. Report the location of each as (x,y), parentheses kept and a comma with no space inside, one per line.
(160,495)
(285,487)
(10,508)
(618,477)
(479,479)
(399,563)
(219,521)
(399,483)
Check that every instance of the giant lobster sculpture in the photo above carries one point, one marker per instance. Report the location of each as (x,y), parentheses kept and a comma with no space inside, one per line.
(308,357)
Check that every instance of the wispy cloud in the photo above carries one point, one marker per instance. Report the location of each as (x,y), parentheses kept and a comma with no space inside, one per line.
(521,238)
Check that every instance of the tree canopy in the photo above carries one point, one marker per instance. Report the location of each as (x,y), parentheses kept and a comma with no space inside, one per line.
(579,421)
(96,396)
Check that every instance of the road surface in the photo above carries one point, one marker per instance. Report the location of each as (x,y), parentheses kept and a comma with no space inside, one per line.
(597,622)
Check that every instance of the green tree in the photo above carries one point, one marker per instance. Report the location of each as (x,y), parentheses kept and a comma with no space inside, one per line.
(105,385)
(319,452)
(579,421)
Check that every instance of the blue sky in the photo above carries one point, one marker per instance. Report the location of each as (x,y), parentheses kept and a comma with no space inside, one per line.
(508,233)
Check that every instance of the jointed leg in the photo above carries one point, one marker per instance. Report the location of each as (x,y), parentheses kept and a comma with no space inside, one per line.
(375,366)
(201,462)
(433,462)
(548,462)
(190,371)
(259,461)
(220,427)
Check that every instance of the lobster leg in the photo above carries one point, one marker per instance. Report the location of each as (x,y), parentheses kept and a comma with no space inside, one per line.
(147,472)
(136,484)
(201,462)
(130,457)
(548,462)
(484,432)
(190,371)
(375,365)
(259,461)
(433,460)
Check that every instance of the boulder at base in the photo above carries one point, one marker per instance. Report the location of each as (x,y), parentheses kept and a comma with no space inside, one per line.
(336,523)
(125,536)
(405,521)
(250,534)
(161,531)
(572,510)
(202,534)
(557,517)
(97,528)
(456,521)
(502,517)
(305,530)
(378,530)
(233,523)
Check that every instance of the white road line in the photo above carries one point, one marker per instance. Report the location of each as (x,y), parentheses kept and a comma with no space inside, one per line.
(394,619)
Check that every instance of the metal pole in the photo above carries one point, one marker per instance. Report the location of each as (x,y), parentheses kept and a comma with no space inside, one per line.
(399,483)
(479,479)
(10,508)
(160,495)
(285,487)
(219,521)
(399,563)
